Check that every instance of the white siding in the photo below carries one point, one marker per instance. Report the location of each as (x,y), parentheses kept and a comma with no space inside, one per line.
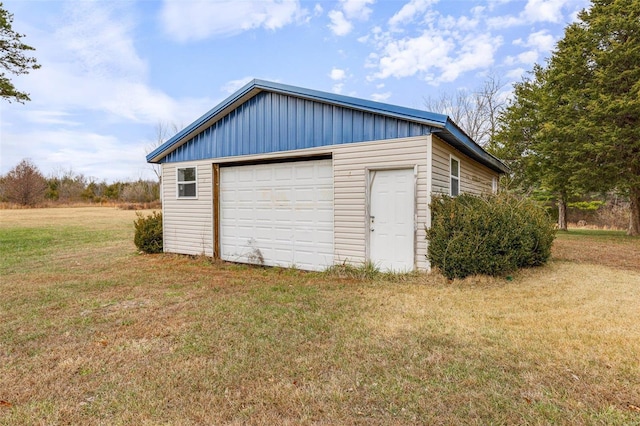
(188,223)
(350,162)
(474,177)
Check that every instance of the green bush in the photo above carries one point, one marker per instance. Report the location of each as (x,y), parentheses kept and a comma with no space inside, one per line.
(490,235)
(148,236)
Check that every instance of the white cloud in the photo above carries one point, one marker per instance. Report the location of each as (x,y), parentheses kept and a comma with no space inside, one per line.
(476,52)
(501,22)
(357,9)
(89,153)
(493,3)
(407,14)
(435,56)
(92,59)
(201,19)
(438,49)
(467,23)
(339,25)
(381,97)
(529,57)
(98,36)
(543,11)
(337,74)
(516,73)
(408,56)
(348,11)
(234,85)
(536,11)
(541,41)
(540,44)
(51,117)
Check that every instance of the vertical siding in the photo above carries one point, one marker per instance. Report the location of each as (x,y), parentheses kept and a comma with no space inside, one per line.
(474,177)
(188,223)
(349,163)
(272,122)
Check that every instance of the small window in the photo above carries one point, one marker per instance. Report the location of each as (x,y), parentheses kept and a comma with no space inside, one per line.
(494,185)
(187,182)
(454,188)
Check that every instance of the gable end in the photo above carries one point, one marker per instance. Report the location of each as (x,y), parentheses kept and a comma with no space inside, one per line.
(274,122)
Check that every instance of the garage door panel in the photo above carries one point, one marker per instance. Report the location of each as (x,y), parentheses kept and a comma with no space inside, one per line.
(245,175)
(284,213)
(304,172)
(264,174)
(283,173)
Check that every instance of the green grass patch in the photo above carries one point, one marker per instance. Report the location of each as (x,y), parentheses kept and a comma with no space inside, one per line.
(597,234)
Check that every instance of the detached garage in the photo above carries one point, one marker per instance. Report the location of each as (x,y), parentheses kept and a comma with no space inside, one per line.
(284,176)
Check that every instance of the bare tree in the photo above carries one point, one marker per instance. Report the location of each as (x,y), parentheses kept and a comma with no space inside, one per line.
(24,184)
(67,186)
(476,112)
(141,191)
(163,131)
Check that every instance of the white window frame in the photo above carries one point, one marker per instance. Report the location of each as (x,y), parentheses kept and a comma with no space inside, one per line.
(183,182)
(494,185)
(453,177)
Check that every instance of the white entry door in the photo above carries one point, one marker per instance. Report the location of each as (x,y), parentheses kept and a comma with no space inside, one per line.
(391,219)
(278,214)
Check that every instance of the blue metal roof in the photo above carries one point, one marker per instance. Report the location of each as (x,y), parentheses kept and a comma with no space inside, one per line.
(269,117)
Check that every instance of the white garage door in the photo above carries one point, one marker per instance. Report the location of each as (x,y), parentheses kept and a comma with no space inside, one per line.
(278,214)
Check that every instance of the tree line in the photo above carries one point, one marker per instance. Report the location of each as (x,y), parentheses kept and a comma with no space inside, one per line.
(25,185)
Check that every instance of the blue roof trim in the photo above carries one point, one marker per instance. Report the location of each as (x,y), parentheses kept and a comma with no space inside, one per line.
(449,131)
(456,137)
(428,118)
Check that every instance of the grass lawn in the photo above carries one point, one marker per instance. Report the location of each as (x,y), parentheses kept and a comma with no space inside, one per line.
(92,332)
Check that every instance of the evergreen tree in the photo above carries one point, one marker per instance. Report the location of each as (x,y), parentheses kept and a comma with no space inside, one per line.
(607,52)
(579,116)
(540,158)
(13,58)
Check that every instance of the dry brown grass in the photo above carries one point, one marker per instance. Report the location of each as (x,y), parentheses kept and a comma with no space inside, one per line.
(609,248)
(93,333)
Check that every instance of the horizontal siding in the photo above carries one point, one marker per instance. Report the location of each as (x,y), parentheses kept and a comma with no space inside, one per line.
(350,163)
(474,177)
(188,223)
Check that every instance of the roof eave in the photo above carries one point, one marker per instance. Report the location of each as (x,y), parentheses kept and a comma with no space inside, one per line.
(183,135)
(465,143)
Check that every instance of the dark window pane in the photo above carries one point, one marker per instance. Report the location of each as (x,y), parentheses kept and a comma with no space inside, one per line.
(455,168)
(455,187)
(187,175)
(186,189)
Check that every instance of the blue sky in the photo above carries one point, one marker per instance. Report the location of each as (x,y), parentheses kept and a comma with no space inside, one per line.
(112,71)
